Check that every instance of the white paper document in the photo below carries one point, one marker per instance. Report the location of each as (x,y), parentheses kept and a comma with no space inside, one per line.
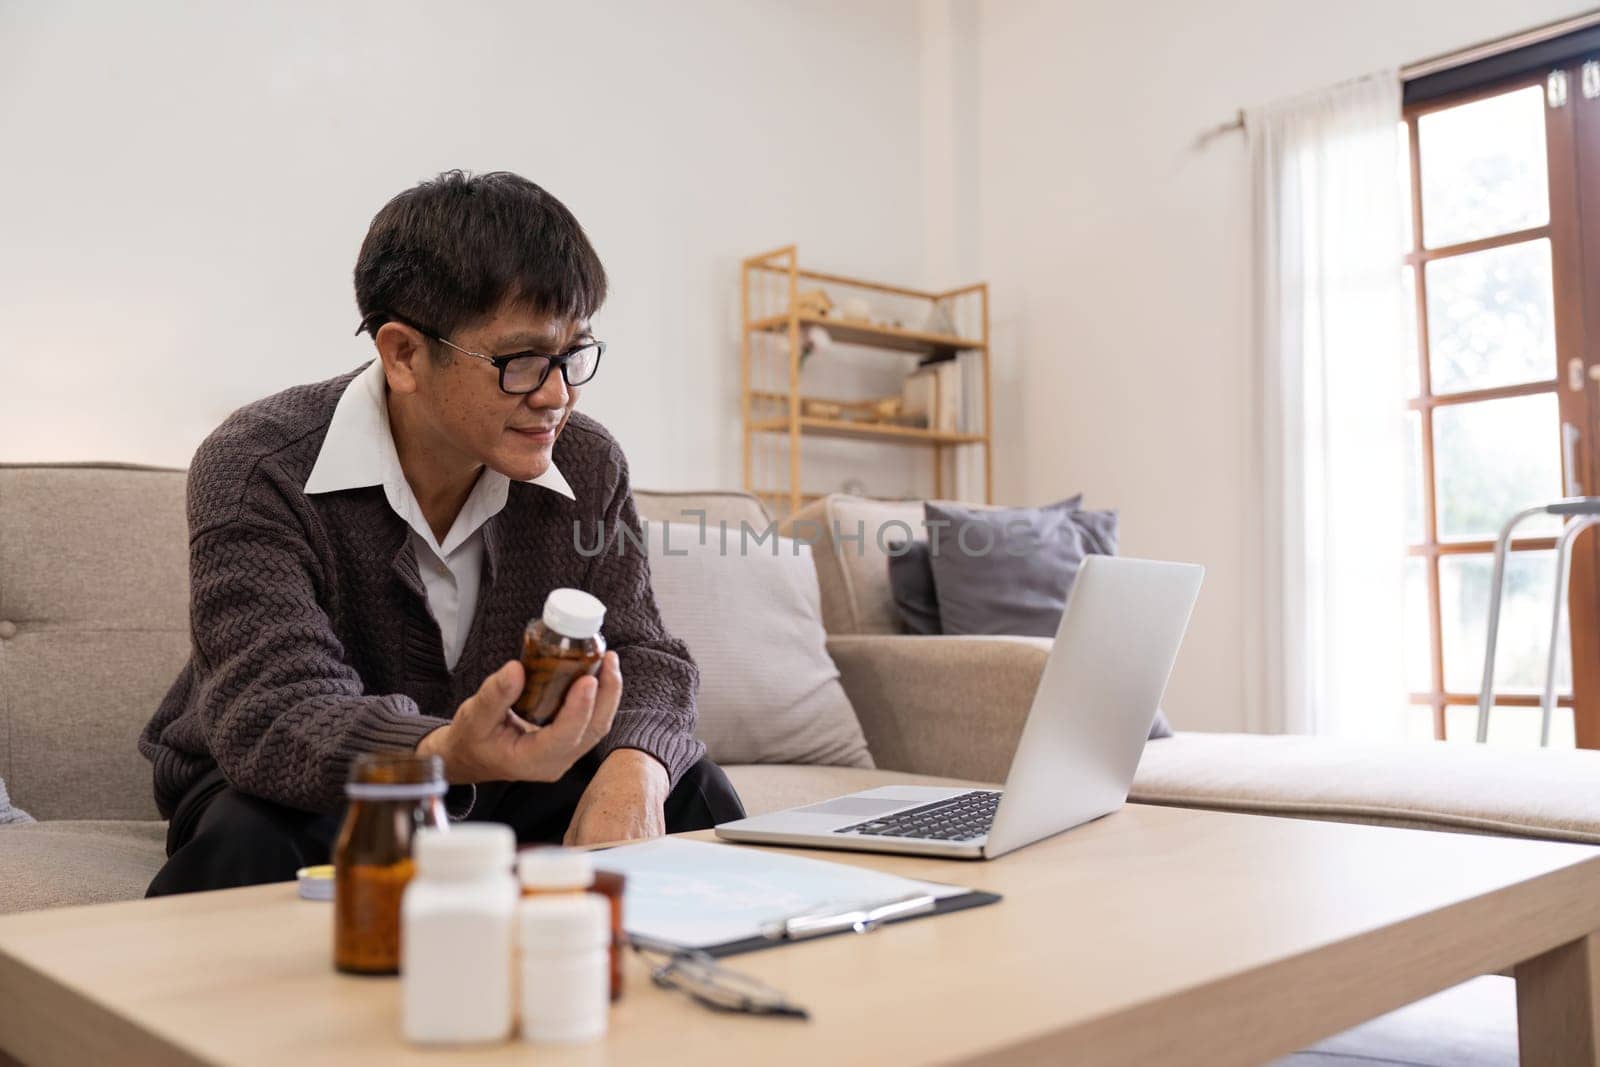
(695,894)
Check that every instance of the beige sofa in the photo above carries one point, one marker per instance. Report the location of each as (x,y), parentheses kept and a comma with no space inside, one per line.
(93,627)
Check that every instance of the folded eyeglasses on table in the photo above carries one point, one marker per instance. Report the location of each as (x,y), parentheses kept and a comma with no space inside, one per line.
(710,983)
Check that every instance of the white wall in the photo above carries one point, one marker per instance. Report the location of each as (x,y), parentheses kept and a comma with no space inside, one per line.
(1117,249)
(950,93)
(185,188)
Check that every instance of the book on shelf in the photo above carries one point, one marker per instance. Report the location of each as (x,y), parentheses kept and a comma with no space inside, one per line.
(949,392)
(961,411)
(971,392)
(968,476)
(947,416)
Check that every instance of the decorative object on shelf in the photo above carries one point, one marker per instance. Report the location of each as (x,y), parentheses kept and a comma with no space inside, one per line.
(939,320)
(813,302)
(946,411)
(814,339)
(856,309)
(813,408)
(885,410)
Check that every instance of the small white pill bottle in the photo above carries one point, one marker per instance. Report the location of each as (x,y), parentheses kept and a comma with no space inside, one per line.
(458,924)
(566,967)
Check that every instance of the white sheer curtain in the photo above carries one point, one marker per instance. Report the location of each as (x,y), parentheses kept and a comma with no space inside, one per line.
(1330,346)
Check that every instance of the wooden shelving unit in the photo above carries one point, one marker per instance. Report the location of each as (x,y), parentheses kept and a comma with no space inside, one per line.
(864,431)
(769,288)
(860,333)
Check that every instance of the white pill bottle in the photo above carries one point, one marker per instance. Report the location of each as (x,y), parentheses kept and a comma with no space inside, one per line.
(458,923)
(566,967)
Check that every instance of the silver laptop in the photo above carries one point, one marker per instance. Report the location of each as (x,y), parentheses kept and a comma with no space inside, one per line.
(1096,701)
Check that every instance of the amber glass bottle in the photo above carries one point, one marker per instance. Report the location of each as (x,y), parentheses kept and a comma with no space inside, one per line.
(558,648)
(392,795)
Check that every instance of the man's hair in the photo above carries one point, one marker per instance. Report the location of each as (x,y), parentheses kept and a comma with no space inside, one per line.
(450,251)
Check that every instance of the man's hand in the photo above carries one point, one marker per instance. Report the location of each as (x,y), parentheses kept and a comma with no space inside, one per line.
(488,742)
(624,801)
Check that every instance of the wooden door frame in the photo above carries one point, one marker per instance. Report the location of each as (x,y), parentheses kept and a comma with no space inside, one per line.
(1579,124)
(1572,143)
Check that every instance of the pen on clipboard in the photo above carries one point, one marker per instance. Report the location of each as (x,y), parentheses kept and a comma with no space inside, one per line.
(859,919)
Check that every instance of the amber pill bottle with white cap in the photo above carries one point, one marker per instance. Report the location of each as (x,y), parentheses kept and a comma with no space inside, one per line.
(562,645)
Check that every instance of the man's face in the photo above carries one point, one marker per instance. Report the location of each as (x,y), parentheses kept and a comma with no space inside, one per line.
(461,400)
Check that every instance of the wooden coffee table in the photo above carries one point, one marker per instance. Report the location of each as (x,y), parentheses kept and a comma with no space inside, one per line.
(1156,935)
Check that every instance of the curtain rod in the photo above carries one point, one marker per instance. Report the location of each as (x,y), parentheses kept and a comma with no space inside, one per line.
(1460,57)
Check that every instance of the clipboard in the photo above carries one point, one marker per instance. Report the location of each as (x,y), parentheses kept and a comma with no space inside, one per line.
(725,900)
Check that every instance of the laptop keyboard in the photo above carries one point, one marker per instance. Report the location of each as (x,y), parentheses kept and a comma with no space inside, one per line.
(962,818)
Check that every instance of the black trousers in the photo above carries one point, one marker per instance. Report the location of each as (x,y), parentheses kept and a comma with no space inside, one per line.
(219,838)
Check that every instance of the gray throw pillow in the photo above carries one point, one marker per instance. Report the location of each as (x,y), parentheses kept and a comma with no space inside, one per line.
(911,585)
(1009,570)
(911,581)
(8,814)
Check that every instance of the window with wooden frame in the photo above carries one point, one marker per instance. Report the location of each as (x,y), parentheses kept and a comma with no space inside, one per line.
(1504,180)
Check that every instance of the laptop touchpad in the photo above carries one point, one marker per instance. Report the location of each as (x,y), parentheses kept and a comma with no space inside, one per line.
(855,806)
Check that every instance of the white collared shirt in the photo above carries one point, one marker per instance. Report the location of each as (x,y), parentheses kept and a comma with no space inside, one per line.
(359,451)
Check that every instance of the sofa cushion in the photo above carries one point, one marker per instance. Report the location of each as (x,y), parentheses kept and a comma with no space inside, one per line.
(1432,785)
(1009,570)
(850,538)
(769,693)
(911,584)
(94,597)
(772,787)
(55,864)
(718,505)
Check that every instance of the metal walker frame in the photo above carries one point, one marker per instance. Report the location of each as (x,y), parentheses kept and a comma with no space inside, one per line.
(1580,513)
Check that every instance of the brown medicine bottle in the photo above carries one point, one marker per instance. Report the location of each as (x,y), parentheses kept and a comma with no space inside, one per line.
(392,796)
(545,870)
(558,648)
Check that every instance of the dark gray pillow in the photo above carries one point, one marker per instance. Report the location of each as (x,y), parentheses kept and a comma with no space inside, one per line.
(911,581)
(7,812)
(911,585)
(1161,727)
(1009,570)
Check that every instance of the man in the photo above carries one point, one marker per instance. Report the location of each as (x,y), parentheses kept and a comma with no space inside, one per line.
(365,552)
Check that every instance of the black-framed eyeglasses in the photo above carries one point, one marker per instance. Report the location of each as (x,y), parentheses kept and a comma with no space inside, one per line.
(521,372)
(714,985)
